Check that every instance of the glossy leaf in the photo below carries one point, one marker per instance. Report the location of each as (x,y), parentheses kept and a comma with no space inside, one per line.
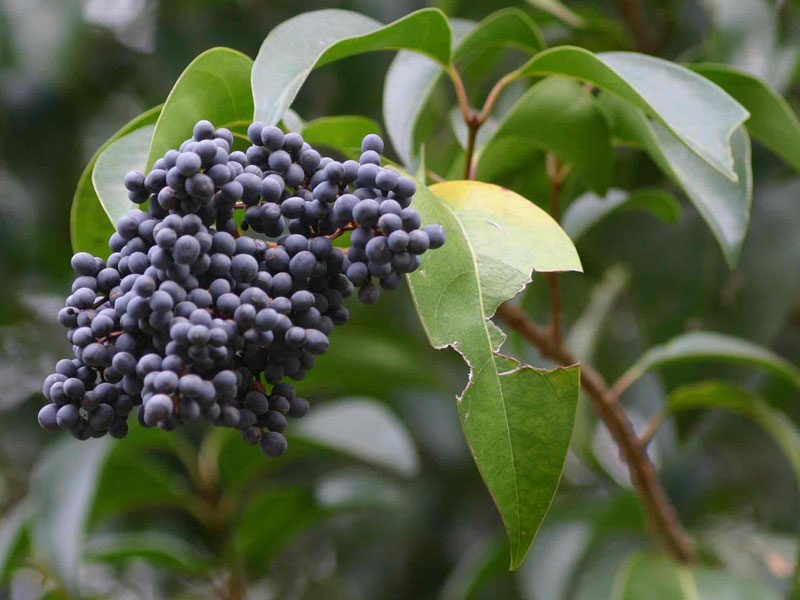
(323,36)
(697,112)
(506,28)
(656,577)
(409,84)
(716,347)
(772,121)
(155,547)
(90,226)
(62,493)
(517,420)
(343,133)
(128,153)
(215,86)
(412,78)
(559,116)
(364,429)
(729,397)
(724,204)
(589,209)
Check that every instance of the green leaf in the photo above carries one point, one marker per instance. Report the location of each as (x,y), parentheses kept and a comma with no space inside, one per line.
(126,154)
(710,346)
(555,115)
(772,121)
(656,577)
(517,420)
(723,204)
(411,78)
(62,492)
(215,86)
(270,520)
(407,88)
(343,133)
(364,429)
(156,547)
(319,37)
(13,527)
(560,11)
(700,114)
(506,28)
(589,209)
(732,398)
(90,227)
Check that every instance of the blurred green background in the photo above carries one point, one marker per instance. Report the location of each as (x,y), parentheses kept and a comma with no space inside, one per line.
(402,513)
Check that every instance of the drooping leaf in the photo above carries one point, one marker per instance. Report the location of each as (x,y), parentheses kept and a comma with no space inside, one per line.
(716,347)
(412,78)
(90,227)
(589,209)
(772,121)
(215,86)
(723,204)
(128,153)
(62,491)
(559,116)
(343,133)
(657,577)
(155,547)
(323,36)
(517,420)
(700,114)
(364,429)
(729,397)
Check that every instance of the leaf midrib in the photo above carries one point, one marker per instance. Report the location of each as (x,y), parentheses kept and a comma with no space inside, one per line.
(484,319)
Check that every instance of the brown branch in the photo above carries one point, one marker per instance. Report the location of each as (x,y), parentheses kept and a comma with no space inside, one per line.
(633,14)
(494,94)
(472,133)
(661,515)
(461,92)
(557,174)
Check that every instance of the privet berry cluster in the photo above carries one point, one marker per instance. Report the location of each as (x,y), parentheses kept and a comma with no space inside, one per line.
(189,319)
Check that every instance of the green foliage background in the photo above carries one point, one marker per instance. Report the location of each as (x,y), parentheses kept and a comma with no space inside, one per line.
(406,516)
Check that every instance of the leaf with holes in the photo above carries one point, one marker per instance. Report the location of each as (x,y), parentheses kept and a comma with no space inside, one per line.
(517,420)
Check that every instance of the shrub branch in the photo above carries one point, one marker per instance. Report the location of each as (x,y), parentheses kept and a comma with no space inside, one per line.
(661,515)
